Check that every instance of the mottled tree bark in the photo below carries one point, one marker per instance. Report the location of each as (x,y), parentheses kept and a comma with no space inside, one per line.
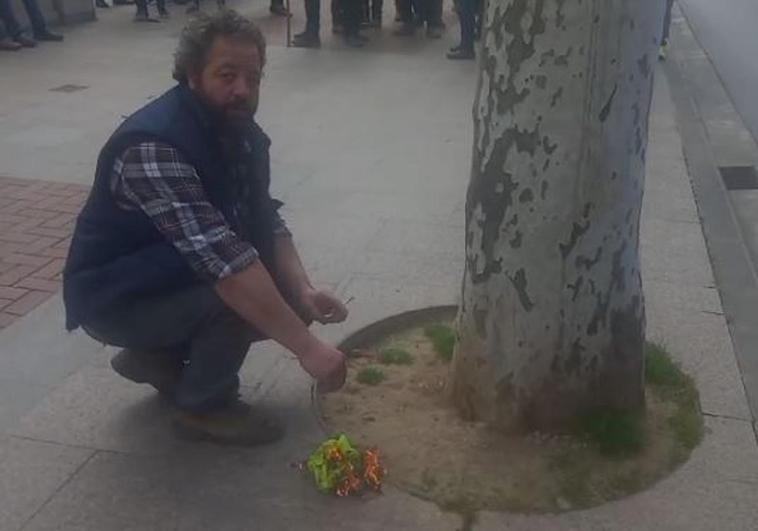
(552,320)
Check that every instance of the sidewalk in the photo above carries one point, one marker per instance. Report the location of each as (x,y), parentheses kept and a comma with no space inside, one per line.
(371,153)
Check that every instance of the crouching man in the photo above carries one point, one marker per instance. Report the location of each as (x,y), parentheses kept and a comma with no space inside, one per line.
(180,256)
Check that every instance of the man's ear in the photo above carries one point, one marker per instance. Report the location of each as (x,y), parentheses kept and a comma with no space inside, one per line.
(193,80)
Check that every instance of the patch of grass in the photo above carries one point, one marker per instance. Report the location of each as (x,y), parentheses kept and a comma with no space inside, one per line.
(443,340)
(371,376)
(687,424)
(614,433)
(667,378)
(572,474)
(660,369)
(395,356)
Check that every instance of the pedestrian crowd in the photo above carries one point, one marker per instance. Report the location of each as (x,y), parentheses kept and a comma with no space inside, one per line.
(349,17)
(15,38)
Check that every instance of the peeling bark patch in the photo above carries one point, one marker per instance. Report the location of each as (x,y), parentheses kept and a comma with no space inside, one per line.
(549,148)
(574,361)
(644,65)
(576,287)
(577,231)
(606,110)
(556,97)
(527,196)
(480,320)
(589,263)
(517,239)
(519,282)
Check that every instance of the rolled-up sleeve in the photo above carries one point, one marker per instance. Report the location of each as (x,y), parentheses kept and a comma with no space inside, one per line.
(156,179)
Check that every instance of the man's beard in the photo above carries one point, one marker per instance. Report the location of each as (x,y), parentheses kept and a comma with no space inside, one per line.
(231,116)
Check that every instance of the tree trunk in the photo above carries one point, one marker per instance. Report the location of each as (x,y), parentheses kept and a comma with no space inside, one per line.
(552,320)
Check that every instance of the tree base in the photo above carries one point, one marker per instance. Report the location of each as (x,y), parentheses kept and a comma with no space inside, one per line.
(395,400)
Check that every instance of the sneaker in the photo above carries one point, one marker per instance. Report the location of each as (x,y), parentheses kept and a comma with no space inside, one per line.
(306,40)
(461,54)
(101,4)
(237,424)
(155,368)
(9,45)
(48,36)
(24,41)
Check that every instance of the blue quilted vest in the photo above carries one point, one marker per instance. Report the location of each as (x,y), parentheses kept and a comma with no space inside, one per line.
(117,256)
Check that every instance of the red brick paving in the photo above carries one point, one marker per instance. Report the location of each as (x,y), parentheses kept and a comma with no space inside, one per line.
(36,222)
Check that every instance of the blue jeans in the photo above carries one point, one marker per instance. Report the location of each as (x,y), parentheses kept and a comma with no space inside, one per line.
(667,21)
(467,17)
(11,23)
(196,331)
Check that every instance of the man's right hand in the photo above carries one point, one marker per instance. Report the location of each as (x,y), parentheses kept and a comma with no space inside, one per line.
(327,365)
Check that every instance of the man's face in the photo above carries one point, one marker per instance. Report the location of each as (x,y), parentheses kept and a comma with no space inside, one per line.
(230,81)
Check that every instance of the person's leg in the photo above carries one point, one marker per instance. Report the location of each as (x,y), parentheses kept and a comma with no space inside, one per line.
(161,6)
(9,19)
(36,18)
(191,335)
(351,12)
(433,18)
(376,13)
(466,14)
(310,37)
(667,22)
(405,11)
(277,8)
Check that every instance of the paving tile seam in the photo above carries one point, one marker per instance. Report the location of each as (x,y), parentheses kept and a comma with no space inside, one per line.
(60,487)
(58,443)
(726,417)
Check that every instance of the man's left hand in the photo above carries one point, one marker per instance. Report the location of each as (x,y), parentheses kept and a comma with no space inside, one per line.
(322,306)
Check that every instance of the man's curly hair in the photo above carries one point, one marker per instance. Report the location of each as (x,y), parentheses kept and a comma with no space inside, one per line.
(198,36)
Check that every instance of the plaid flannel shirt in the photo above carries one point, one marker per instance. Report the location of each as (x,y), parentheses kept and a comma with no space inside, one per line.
(156,179)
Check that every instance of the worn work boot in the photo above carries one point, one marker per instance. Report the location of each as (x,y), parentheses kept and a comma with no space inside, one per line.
(155,368)
(237,424)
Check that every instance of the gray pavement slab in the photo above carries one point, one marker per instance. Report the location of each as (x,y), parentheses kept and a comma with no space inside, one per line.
(31,472)
(221,490)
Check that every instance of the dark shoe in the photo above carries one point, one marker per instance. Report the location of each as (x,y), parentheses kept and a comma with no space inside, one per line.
(455,48)
(461,54)
(123,2)
(237,424)
(163,13)
(24,41)
(158,369)
(355,40)
(433,32)
(337,29)
(279,11)
(406,30)
(47,36)
(144,17)
(9,45)
(101,4)
(306,40)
